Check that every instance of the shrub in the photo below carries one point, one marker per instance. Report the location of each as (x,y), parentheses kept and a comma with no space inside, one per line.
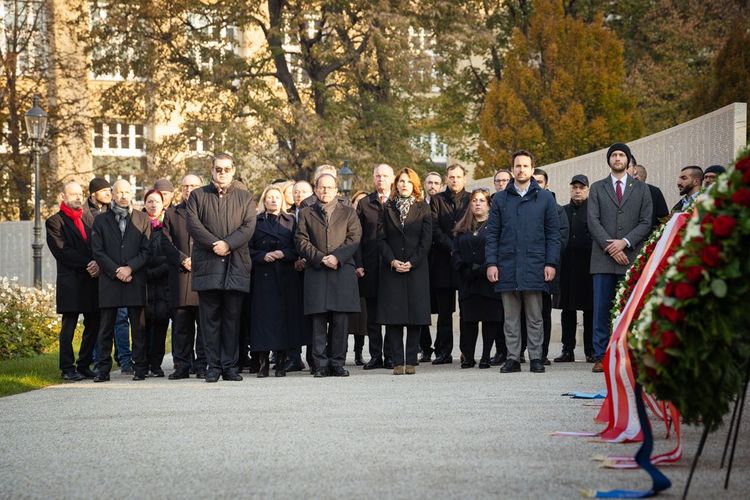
(29,323)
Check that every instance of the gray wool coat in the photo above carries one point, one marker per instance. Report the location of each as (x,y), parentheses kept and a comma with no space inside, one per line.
(327,289)
(630,219)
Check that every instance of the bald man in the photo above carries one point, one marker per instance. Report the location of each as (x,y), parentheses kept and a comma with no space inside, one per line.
(69,240)
(120,245)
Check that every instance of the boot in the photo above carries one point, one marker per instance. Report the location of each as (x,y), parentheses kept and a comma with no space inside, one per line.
(358,360)
(281,364)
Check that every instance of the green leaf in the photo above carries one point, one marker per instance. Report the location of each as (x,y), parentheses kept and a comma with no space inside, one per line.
(719,287)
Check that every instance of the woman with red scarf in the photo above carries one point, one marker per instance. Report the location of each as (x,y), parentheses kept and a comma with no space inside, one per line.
(157,274)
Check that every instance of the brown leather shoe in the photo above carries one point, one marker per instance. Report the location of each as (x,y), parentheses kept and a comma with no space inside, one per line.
(598,367)
(410,370)
(398,370)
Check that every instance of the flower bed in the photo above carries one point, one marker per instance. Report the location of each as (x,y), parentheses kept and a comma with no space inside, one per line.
(29,323)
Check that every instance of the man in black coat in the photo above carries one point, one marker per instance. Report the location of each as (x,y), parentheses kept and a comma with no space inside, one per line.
(660,209)
(221,221)
(100,196)
(69,240)
(183,300)
(327,237)
(433,184)
(447,209)
(369,211)
(576,287)
(121,246)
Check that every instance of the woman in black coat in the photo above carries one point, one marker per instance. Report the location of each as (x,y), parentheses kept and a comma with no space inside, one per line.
(404,240)
(276,302)
(157,283)
(477,298)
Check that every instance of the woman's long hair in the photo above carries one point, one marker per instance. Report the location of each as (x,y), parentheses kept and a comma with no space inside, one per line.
(466,224)
(414,178)
(273,187)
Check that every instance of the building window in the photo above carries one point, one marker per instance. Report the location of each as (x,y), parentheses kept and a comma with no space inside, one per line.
(200,141)
(23,35)
(114,138)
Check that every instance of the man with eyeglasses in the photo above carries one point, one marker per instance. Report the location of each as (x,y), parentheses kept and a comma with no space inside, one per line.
(183,300)
(501,180)
(221,221)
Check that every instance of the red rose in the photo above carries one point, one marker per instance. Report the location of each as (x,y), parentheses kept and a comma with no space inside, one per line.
(711,255)
(650,249)
(744,164)
(669,339)
(724,225)
(741,197)
(684,291)
(708,219)
(669,289)
(746,177)
(671,314)
(694,273)
(661,357)
(698,240)
(718,203)
(636,275)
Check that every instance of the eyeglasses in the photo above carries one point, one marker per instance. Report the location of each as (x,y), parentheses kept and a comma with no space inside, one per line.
(225,170)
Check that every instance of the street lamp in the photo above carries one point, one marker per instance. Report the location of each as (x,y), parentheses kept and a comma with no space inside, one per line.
(36,126)
(346,177)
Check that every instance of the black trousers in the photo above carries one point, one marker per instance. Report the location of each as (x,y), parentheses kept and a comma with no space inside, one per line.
(186,333)
(330,352)
(425,339)
(546,325)
(137,318)
(569,320)
(219,312)
(156,338)
(469,334)
(359,343)
(378,348)
(88,341)
(395,335)
(446,304)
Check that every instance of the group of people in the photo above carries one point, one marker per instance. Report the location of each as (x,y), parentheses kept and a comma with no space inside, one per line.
(246,286)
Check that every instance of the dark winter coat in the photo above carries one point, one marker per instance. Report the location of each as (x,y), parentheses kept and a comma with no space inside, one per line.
(523,236)
(369,211)
(469,262)
(112,250)
(554,286)
(157,278)
(447,209)
(658,205)
(276,297)
(76,290)
(403,297)
(576,284)
(329,289)
(212,218)
(176,245)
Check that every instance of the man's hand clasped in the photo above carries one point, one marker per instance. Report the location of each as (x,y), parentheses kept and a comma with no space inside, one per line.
(221,248)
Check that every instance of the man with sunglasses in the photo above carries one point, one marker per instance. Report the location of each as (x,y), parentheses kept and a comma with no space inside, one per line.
(221,221)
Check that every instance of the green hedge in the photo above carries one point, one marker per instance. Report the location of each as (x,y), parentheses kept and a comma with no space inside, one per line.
(29,324)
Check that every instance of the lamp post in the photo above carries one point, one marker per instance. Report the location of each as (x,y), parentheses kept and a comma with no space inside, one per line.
(36,126)
(346,176)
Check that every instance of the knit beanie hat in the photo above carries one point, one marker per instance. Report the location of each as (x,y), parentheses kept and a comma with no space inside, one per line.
(97,184)
(619,146)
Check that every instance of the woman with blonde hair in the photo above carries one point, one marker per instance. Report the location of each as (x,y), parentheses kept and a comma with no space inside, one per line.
(404,241)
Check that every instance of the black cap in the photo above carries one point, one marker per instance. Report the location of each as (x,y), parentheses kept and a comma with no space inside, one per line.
(619,146)
(580,178)
(715,169)
(97,184)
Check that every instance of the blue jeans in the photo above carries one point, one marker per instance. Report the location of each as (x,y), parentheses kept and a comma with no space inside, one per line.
(605,286)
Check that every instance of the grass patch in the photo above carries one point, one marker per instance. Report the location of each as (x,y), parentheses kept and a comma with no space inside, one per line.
(27,374)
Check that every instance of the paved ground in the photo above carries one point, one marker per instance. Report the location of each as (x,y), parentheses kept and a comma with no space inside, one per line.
(444,433)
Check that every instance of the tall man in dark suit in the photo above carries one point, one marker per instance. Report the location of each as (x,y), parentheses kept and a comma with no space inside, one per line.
(221,221)
(69,240)
(327,238)
(447,209)
(620,211)
(183,300)
(576,292)
(120,245)
(369,211)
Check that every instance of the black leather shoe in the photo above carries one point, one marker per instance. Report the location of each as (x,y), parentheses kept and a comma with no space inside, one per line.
(213,375)
(510,366)
(373,364)
(565,357)
(484,363)
(231,375)
(102,377)
(339,371)
(179,374)
(536,366)
(443,359)
(321,372)
(546,361)
(293,365)
(468,363)
(139,375)
(497,360)
(388,364)
(358,360)
(158,373)
(200,374)
(263,370)
(87,372)
(72,376)
(426,357)
(590,359)
(128,370)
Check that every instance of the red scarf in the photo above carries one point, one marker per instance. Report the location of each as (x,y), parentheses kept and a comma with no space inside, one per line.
(75,216)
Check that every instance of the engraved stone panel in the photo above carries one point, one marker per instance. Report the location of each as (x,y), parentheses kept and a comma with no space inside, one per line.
(16,253)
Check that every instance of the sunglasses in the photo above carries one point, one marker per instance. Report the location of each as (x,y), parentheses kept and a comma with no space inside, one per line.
(224,170)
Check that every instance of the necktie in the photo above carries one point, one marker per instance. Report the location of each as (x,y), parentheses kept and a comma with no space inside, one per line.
(382,199)
(618,191)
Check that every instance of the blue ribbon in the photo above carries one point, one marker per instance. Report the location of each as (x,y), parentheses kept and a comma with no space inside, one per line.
(659,482)
(587,395)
